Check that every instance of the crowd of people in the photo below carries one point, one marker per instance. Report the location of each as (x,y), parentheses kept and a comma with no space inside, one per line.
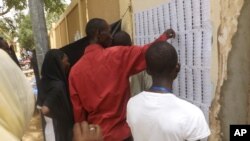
(91,101)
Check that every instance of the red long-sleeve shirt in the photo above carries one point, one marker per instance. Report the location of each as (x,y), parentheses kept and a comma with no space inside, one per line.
(99,86)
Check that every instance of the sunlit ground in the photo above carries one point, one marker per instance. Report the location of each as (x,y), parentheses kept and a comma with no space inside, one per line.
(34,130)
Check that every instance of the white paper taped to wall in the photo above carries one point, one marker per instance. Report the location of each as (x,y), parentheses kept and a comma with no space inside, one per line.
(191,21)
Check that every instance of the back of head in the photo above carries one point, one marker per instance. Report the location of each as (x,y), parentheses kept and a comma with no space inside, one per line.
(16,98)
(161,59)
(98,32)
(121,38)
(93,26)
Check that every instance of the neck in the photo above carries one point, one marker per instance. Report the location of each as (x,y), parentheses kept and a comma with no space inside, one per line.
(162,82)
(92,40)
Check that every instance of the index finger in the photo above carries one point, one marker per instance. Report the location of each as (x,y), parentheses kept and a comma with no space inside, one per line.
(85,128)
(77,130)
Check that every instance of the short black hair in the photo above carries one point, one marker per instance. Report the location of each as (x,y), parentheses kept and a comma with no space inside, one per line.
(121,38)
(94,25)
(161,58)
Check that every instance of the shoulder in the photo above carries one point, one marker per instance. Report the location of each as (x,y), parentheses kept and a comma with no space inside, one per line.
(188,110)
(191,113)
(187,105)
(116,49)
(194,124)
(123,49)
(135,100)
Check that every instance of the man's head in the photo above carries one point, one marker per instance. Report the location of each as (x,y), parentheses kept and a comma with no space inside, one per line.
(121,38)
(98,31)
(162,61)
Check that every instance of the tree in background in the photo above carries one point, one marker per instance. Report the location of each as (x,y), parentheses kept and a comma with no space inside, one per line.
(7,5)
(37,8)
(25,33)
(8,29)
(39,24)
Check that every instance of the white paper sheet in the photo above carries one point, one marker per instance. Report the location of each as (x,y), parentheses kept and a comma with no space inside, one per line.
(190,20)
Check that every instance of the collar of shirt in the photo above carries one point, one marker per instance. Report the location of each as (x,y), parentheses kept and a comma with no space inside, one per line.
(93,47)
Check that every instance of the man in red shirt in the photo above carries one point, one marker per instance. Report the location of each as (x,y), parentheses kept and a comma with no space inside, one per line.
(99,81)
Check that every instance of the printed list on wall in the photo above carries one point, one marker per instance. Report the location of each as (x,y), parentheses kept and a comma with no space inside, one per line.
(191,21)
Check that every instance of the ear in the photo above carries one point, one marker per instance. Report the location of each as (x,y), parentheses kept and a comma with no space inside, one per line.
(178,68)
(175,72)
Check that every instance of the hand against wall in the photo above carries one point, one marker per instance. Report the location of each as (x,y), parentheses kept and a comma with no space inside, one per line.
(170,33)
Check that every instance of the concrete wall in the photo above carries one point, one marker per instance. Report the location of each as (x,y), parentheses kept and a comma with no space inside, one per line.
(83,16)
(106,9)
(225,15)
(126,13)
(63,31)
(235,91)
(73,24)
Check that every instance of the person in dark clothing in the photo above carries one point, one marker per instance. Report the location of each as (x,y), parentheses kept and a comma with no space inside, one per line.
(53,95)
(121,38)
(34,66)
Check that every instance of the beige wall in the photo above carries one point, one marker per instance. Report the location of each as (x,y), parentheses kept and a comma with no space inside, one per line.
(140,5)
(74,19)
(73,23)
(58,37)
(126,14)
(106,9)
(83,17)
(63,32)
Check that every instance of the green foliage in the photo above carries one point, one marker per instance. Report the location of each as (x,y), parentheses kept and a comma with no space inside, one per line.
(7,5)
(7,28)
(51,18)
(20,25)
(25,33)
(51,6)
(53,10)
(16,4)
(54,6)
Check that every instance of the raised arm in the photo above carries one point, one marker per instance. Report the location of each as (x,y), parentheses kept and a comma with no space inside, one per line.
(134,56)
